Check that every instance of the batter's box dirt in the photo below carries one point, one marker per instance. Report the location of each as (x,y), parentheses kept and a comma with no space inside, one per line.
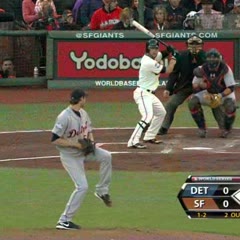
(181,150)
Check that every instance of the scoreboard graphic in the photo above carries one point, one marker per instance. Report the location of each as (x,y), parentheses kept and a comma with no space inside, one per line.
(211,197)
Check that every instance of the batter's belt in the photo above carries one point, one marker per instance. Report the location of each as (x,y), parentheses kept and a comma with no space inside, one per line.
(148,90)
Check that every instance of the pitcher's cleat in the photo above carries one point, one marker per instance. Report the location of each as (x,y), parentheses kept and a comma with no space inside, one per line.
(105,198)
(67,226)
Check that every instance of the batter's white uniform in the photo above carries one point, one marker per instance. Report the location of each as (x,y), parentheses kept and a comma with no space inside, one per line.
(72,127)
(149,106)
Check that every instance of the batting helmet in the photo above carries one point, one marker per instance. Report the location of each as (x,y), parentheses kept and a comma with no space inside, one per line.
(152,44)
(213,58)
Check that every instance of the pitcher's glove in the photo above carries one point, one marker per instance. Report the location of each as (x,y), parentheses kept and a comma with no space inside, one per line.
(213,100)
(87,146)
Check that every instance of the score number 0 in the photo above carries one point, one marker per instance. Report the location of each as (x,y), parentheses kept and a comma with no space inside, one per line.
(225,202)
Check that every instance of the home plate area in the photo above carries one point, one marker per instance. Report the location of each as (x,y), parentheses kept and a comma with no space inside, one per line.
(181,150)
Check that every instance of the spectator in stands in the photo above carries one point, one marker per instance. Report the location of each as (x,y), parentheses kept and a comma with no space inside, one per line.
(5,17)
(223,6)
(124,3)
(62,5)
(209,18)
(176,14)
(190,21)
(126,18)
(28,12)
(13,7)
(232,19)
(7,69)
(160,19)
(76,9)
(42,6)
(49,19)
(105,17)
(86,11)
(66,22)
(154,3)
(192,5)
(148,13)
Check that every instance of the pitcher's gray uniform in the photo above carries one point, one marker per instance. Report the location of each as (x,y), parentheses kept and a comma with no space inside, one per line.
(71,126)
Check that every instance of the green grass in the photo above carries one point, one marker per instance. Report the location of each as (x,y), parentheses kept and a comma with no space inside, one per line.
(34,199)
(42,116)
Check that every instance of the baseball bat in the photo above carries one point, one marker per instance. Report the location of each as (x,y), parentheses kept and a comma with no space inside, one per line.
(146,31)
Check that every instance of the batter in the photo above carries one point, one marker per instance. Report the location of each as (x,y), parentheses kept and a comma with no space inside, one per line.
(149,106)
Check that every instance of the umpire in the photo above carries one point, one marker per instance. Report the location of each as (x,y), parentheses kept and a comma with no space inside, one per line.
(179,85)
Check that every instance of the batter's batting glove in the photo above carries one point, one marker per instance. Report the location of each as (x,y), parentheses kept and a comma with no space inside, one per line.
(170,49)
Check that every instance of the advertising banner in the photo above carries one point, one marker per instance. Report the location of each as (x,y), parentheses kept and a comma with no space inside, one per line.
(115,60)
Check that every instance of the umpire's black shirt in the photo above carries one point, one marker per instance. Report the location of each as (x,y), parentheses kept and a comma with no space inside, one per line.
(182,75)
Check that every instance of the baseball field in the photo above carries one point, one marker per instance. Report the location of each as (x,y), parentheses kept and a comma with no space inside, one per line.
(35,188)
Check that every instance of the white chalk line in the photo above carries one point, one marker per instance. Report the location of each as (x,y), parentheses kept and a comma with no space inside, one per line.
(113,129)
(164,151)
(51,157)
(116,152)
(27,158)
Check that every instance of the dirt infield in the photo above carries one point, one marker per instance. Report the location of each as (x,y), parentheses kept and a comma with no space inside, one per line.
(35,95)
(116,234)
(182,150)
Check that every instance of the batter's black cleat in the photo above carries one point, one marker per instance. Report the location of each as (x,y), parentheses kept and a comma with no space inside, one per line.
(138,146)
(67,226)
(162,131)
(202,133)
(153,141)
(105,198)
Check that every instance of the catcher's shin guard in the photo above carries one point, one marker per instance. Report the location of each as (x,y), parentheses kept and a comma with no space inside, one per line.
(197,112)
(219,116)
(230,113)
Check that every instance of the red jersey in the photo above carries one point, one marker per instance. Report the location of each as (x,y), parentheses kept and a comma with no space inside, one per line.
(103,20)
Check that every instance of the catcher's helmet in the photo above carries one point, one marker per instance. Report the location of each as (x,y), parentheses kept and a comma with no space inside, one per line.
(213,58)
(213,52)
(152,44)
(194,44)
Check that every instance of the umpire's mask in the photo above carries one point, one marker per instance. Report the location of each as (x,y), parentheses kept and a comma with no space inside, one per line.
(194,44)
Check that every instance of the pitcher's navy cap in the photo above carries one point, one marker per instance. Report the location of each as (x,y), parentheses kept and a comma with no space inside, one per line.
(76,95)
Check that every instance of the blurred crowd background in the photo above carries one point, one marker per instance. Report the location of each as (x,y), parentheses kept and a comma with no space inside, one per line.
(62,15)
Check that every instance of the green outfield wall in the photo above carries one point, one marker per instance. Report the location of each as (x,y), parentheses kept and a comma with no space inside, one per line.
(111,59)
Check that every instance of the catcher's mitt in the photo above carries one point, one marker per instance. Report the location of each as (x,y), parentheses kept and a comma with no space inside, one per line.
(87,146)
(213,100)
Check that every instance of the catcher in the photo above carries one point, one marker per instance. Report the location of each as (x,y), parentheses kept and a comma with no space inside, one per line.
(213,85)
